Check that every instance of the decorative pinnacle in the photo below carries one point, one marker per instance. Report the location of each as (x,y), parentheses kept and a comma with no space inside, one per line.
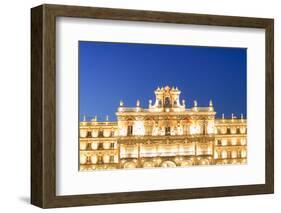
(195,103)
(121,103)
(222,116)
(84,118)
(95,118)
(138,103)
(150,103)
(107,118)
(183,102)
(242,116)
(232,115)
(211,103)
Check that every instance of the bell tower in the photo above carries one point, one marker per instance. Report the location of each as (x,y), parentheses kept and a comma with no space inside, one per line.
(167,98)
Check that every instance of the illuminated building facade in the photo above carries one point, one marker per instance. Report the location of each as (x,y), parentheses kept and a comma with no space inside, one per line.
(166,134)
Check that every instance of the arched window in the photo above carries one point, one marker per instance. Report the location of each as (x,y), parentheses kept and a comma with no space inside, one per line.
(243,153)
(167,103)
(224,154)
(234,154)
(83,159)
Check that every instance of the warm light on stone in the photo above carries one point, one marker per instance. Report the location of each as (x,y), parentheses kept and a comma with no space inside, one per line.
(139,128)
(165,134)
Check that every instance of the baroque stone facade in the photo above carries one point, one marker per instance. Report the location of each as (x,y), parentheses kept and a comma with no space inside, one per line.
(166,134)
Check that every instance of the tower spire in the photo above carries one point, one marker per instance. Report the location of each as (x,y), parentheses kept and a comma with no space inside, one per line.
(195,103)
(183,102)
(150,103)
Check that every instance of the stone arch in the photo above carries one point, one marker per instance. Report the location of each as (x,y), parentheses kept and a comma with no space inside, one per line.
(219,163)
(129,165)
(130,120)
(167,102)
(204,162)
(187,163)
(168,163)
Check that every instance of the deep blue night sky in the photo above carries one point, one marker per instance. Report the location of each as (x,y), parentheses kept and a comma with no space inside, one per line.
(110,72)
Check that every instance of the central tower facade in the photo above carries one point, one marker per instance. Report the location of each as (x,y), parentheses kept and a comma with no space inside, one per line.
(166,134)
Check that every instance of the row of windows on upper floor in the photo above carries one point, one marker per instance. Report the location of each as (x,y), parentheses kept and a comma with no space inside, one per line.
(167,131)
(97,146)
(231,141)
(231,130)
(112,145)
(98,159)
(230,154)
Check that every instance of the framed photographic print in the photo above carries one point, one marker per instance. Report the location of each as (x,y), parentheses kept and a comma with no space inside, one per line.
(136,106)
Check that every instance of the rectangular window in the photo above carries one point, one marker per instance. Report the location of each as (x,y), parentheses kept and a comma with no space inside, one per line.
(100,146)
(204,129)
(167,130)
(100,159)
(112,145)
(228,130)
(89,146)
(238,131)
(100,133)
(130,130)
(89,134)
(112,159)
(89,160)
